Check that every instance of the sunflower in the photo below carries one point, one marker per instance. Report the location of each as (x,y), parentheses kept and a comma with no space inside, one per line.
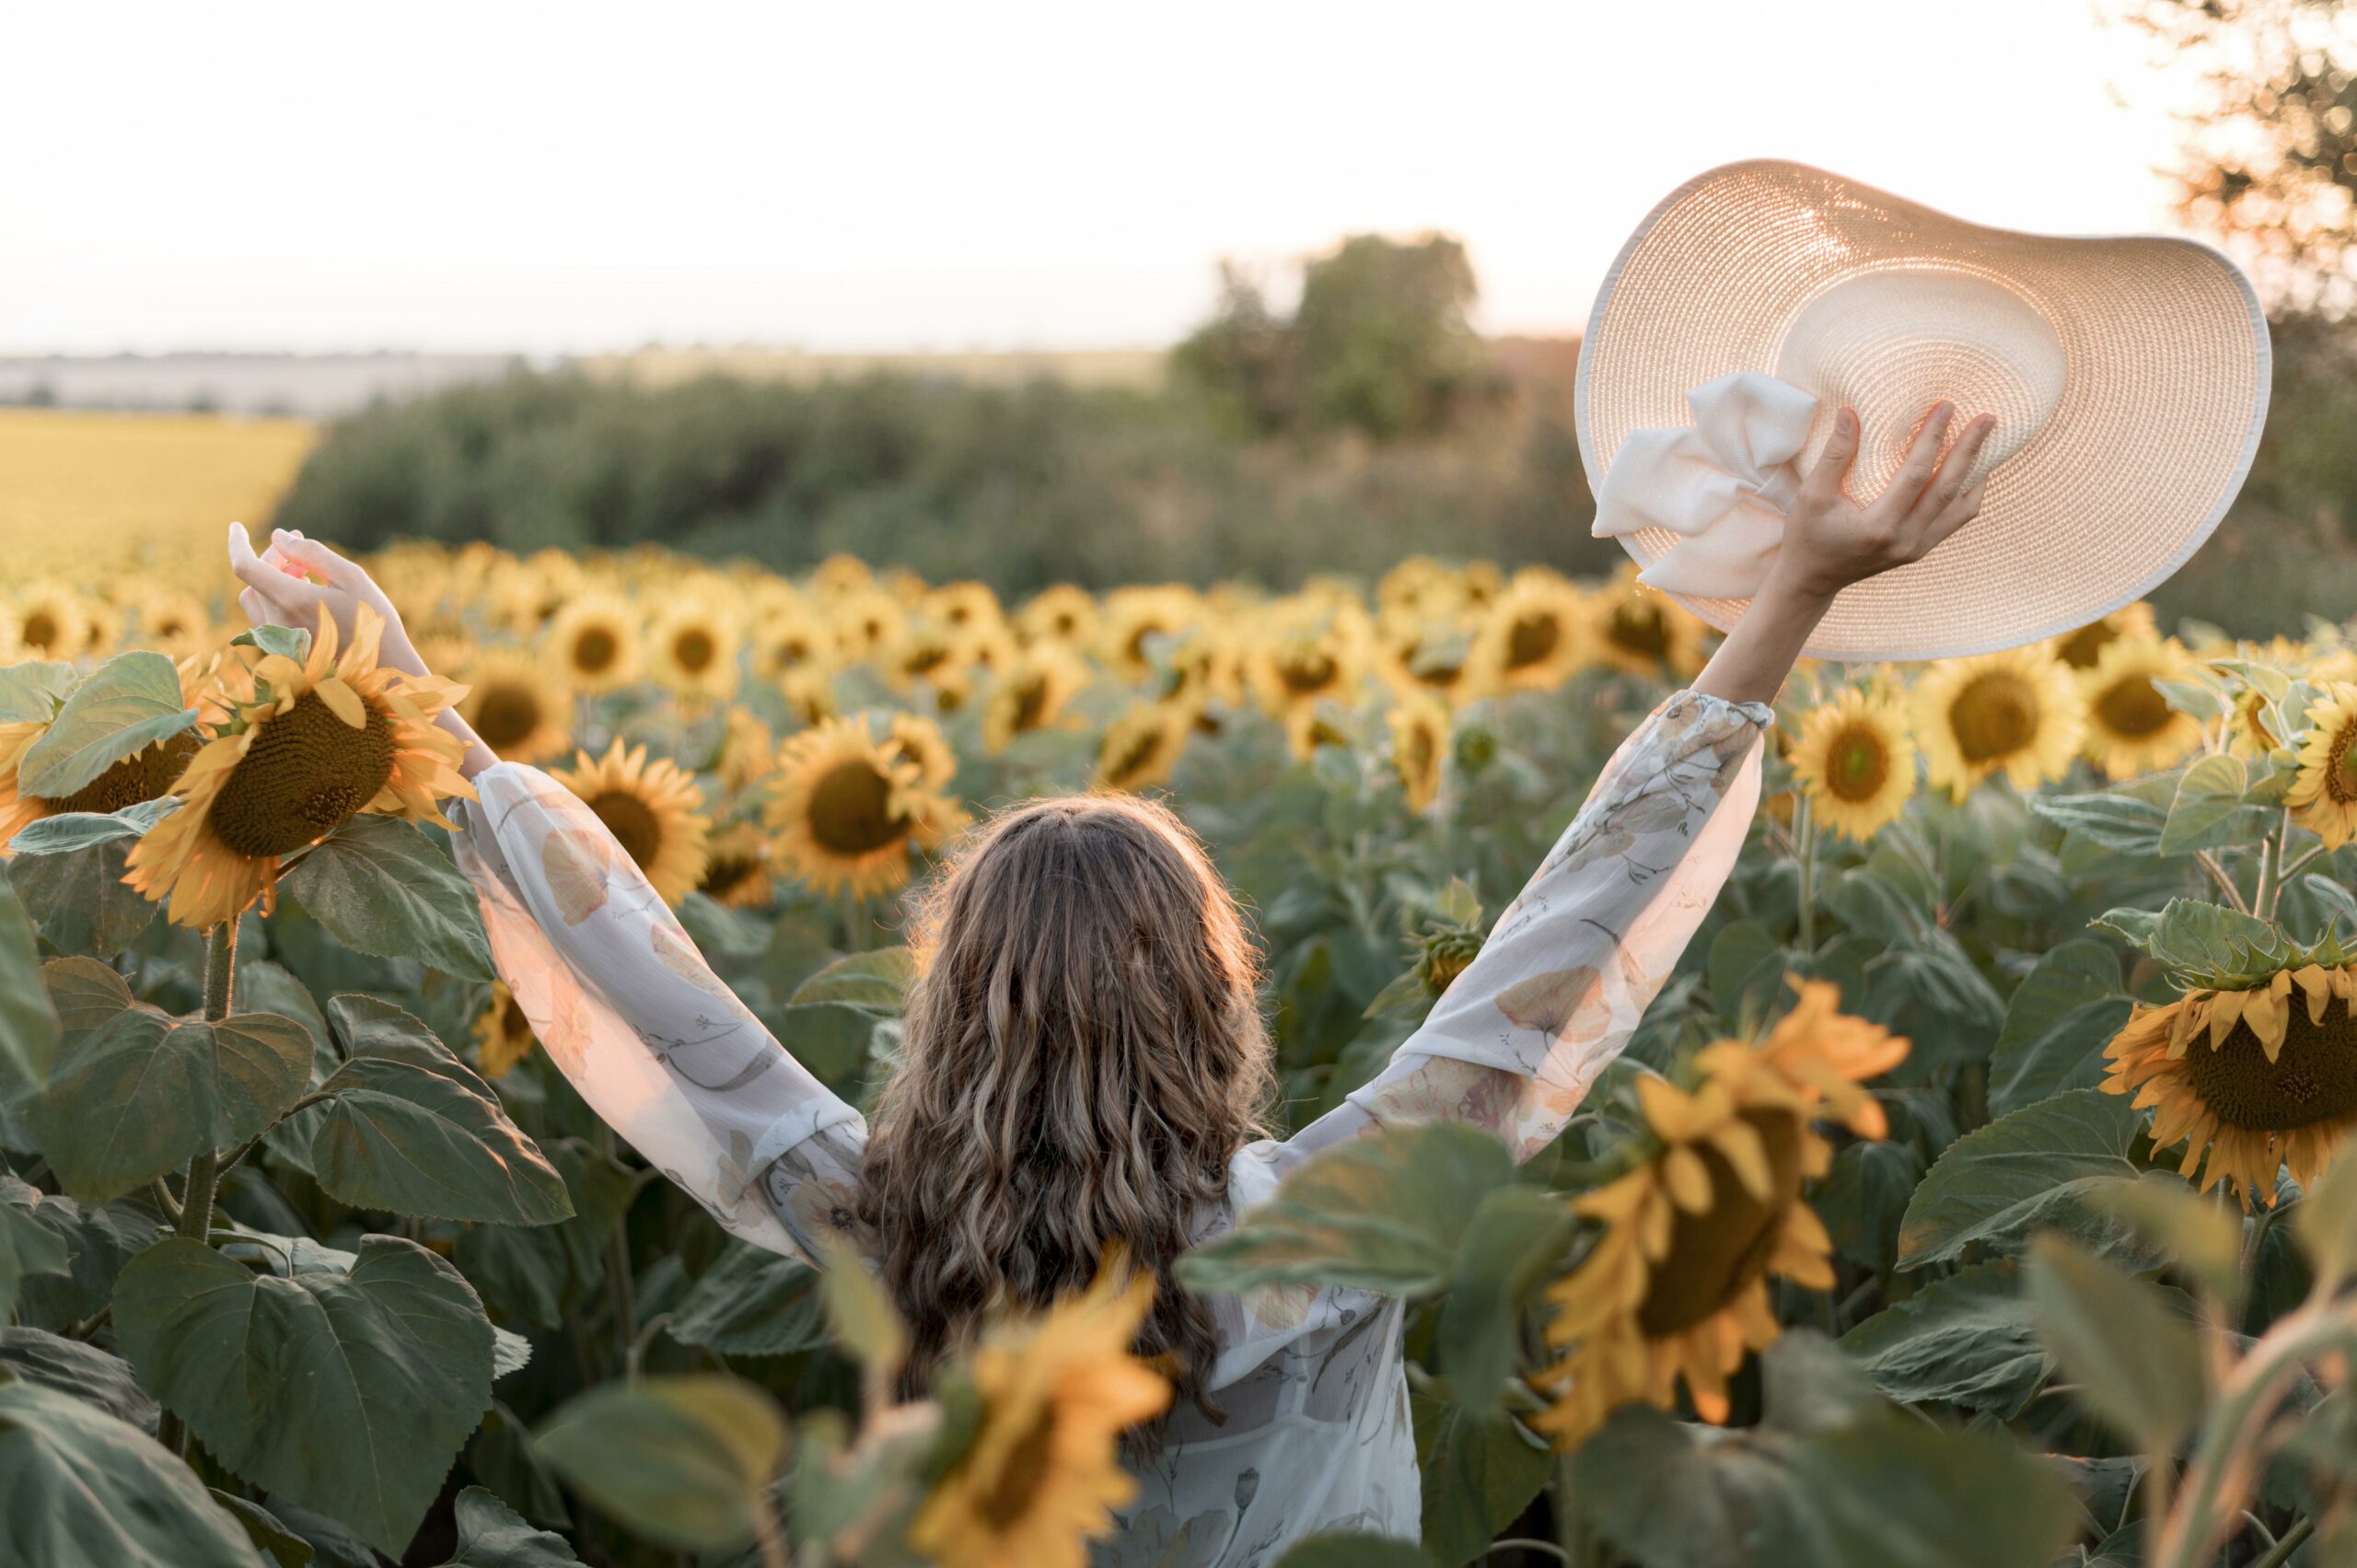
(2323,797)
(2081,649)
(595,641)
(1062,614)
(691,651)
(299,750)
(922,742)
(1676,1286)
(1031,694)
(965,610)
(848,810)
(788,637)
(736,870)
(1140,748)
(522,712)
(2255,1079)
(1640,630)
(502,1035)
(52,622)
(1855,762)
(653,810)
(868,622)
(748,751)
(175,621)
(1445,658)
(1311,650)
(1134,618)
(1044,1471)
(2131,728)
(2018,712)
(1535,636)
(1419,745)
(131,781)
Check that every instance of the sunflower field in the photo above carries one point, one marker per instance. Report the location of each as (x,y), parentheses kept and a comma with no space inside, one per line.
(1969,1196)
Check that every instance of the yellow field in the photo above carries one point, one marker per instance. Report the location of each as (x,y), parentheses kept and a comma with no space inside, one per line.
(84,495)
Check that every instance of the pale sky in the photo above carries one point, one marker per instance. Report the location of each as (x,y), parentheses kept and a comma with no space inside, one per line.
(490,176)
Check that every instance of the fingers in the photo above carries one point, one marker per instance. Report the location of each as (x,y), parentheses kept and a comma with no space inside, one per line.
(271,594)
(1952,516)
(1906,486)
(1832,465)
(1948,482)
(286,545)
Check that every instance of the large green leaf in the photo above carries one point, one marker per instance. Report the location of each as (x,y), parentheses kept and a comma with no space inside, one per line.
(1862,1197)
(82,1370)
(2031,1166)
(128,703)
(2208,809)
(752,1302)
(142,1093)
(31,692)
(79,899)
(80,830)
(2061,1016)
(271,1536)
(2130,1356)
(99,1239)
(1966,1340)
(523,1272)
(405,1139)
(79,1489)
(1892,1488)
(1385,1212)
(27,1023)
(1673,1495)
(27,1249)
(1478,1471)
(492,1535)
(349,1393)
(1512,1243)
(878,981)
(684,1461)
(382,886)
(2129,818)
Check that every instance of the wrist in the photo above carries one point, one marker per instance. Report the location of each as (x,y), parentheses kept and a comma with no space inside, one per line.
(1796,594)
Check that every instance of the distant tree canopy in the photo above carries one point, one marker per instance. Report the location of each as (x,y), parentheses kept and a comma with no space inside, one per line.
(2268,161)
(1379,343)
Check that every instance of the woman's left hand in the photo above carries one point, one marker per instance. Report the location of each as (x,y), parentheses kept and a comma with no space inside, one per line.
(292,581)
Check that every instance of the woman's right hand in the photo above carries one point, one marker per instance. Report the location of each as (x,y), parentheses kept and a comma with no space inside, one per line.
(288,585)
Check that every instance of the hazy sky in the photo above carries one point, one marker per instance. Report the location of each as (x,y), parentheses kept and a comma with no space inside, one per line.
(495,175)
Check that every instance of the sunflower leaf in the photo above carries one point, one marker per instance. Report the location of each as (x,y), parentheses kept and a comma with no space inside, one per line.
(2124,818)
(71,831)
(79,899)
(2136,1361)
(752,1302)
(288,642)
(398,1136)
(1963,1341)
(347,1392)
(878,980)
(32,692)
(129,703)
(684,1461)
(2208,807)
(492,1535)
(2031,1166)
(27,1020)
(140,1094)
(380,885)
(2061,1017)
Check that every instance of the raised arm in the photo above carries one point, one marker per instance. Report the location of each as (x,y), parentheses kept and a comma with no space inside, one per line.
(619,995)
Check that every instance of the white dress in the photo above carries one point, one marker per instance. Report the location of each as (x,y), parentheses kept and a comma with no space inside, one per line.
(1316,1435)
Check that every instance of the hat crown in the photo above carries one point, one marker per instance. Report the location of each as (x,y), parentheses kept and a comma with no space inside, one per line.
(1891,342)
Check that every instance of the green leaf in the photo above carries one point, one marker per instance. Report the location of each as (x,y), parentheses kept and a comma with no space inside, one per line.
(2115,818)
(1965,1340)
(752,1302)
(492,1535)
(878,981)
(33,691)
(349,1393)
(27,1023)
(85,993)
(79,900)
(25,1248)
(682,1461)
(269,1535)
(2061,1016)
(405,1139)
(1676,1496)
(286,641)
(1512,1243)
(2023,1169)
(1353,1548)
(382,886)
(1862,1199)
(1894,1488)
(860,1314)
(2134,1361)
(2209,799)
(2199,1235)
(1385,1212)
(70,831)
(1404,997)
(128,703)
(99,1239)
(1745,966)
(142,1093)
(78,1487)
(2326,1223)
(521,1271)
(72,1367)
(1479,1472)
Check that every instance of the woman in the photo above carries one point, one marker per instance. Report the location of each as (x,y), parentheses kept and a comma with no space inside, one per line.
(1084,1064)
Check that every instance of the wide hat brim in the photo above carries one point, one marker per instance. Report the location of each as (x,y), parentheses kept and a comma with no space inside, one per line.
(2159,414)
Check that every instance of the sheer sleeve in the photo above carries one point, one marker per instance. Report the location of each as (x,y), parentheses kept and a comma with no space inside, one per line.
(1568,970)
(655,1043)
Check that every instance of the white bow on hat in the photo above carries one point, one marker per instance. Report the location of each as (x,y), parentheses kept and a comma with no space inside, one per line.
(1724,483)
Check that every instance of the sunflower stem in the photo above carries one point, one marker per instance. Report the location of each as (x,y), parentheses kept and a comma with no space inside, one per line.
(2289,1542)
(194,1222)
(1804,832)
(2225,883)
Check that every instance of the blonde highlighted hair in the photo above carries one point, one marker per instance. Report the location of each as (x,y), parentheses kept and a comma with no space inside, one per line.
(1083,1053)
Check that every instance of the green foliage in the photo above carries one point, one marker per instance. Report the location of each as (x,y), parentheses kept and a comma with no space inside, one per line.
(685,1461)
(752,1302)
(1964,1340)
(27,1024)
(382,886)
(2136,1362)
(345,1391)
(128,703)
(1992,1186)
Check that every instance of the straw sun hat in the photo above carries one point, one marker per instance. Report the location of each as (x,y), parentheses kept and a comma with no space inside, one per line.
(2128,377)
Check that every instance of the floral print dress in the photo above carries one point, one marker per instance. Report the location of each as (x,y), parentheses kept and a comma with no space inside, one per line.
(1316,1435)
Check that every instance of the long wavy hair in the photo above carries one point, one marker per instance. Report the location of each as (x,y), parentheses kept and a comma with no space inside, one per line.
(1083,1052)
